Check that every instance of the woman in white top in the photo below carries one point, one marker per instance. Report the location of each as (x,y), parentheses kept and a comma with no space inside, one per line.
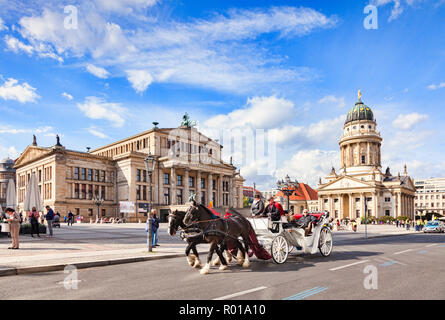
(14,221)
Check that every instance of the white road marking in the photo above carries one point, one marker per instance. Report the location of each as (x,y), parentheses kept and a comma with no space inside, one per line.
(348,265)
(431,245)
(404,251)
(230,296)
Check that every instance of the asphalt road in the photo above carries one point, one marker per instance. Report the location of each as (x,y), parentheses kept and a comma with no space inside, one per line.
(403,267)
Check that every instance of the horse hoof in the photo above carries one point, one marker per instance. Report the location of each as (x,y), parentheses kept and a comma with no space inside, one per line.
(216,262)
(191,261)
(204,271)
(223,267)
(240,261)
(197,264)
(246,264)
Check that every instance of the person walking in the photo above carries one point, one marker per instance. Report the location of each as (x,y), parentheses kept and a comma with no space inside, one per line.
(14,222)
(49,220)
(34,220)
(154,228)
(70,218)
(257,207)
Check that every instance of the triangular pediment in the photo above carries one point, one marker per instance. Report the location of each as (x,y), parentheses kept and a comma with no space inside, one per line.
(345,182)
(30,154)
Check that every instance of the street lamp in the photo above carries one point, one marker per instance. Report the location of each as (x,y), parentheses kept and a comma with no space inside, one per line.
(98,201)
(288,187)
(150,166)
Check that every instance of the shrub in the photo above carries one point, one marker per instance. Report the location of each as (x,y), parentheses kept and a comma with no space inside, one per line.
(25,228)
(403,218)
(371,219)
(385,219)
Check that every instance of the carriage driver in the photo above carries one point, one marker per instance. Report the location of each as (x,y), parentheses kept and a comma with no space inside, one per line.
(306,222)
(274,209)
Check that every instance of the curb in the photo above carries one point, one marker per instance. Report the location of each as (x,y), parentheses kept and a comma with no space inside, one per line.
(82,265)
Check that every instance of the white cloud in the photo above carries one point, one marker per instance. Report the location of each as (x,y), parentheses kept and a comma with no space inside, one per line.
(308,165)
(97,133)
(67,96)
(339,102)
(259,112)
(12,90)
(436,86)
(398,6)
(8,152)
(97,71)
(17,46)
(125,6)
(139,79)
(2,25)
(220,47)
(8,130)
(98,108)
(407,121)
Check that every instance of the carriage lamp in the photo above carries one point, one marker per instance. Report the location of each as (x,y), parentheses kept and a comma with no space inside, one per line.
(150,166)
(288,187)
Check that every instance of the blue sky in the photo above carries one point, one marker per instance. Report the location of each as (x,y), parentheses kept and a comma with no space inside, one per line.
(290,67)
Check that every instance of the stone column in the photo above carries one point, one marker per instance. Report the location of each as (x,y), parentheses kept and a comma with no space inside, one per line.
(362,204)
(186,194)
(368,157)
(198,186)
(351,207)
(374,205)
(173,194)
(341,214)
(331,206)
(231,200)
(220,190)
(209,189)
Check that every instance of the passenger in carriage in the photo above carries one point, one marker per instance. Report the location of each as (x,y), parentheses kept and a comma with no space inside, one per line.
(306,222)
(257,206)
(274,210)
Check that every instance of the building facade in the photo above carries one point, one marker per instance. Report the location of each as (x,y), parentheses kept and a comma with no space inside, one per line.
(361,183)
(7,172)
(186,162)
(430,196)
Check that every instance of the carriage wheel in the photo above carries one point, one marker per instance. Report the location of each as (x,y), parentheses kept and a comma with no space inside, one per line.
(325,243)
(280,249)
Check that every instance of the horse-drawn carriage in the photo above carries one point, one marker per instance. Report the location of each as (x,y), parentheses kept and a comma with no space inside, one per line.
(282,237)
(235,234)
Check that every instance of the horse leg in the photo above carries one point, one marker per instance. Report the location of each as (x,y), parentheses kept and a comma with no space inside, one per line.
(228,254)
(197,260)
(206,268)
(190,258)
(240,256)
(246,263)
(221,257)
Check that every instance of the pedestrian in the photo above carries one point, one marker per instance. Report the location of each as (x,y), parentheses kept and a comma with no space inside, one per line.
(14,222)
(49,220)
(154,228)
(70,217)
(34,220)
(257,207)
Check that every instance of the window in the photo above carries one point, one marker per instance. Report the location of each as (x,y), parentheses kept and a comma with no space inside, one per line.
(167,196)
(363,159)
(203,197)
(103,193)
(40,175)
(214,184)
(179,196)
(96,175)
(138,192)
(191,182)
(357,199)
(76,173)
(90,174)
(138,176)
(179,180)
(90,192)
(96,191)
(203,183)
(144,175)
(326,200)
(83,174)
(76,191)
(102,176)
(214,198)
(387,213)
(166,178)
(83,192)
(144,193)
(387,199)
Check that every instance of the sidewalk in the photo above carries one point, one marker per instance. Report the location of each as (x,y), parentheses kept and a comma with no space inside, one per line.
(91,245)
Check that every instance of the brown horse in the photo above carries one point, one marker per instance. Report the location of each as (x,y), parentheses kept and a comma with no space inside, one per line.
(216,231)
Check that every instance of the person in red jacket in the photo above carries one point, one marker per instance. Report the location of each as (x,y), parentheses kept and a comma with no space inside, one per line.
(274,210)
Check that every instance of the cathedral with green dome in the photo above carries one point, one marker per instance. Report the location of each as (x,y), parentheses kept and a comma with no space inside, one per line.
(360,185)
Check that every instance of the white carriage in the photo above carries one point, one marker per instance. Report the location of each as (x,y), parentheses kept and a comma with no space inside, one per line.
(280,237)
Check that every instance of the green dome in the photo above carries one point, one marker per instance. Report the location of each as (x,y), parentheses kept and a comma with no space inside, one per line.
(360,112)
